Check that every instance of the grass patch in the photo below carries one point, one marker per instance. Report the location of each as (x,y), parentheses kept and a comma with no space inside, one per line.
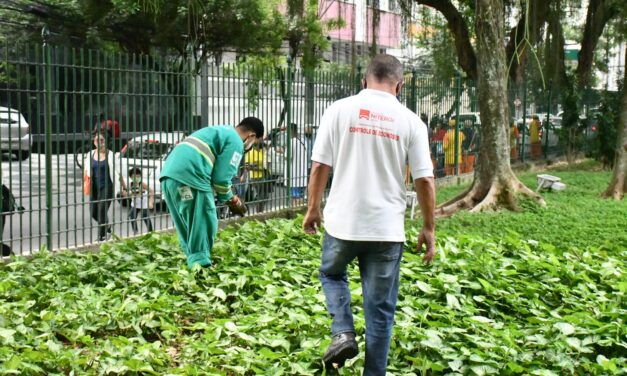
(576,217)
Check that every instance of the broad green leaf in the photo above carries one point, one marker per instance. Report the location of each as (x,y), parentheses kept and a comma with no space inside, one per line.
(7,335)
(565,328)
(230,326)
(481,319)
(455,365)
(452,302)
(219,293)
(424,287)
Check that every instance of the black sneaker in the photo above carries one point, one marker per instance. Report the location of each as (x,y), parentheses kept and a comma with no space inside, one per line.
(342,348)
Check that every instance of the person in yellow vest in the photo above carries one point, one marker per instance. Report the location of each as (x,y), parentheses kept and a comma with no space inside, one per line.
(255,167)
(449,148)
(534,133)
(513,141)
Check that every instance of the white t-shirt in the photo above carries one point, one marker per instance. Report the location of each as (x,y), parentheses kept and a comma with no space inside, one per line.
(368,139)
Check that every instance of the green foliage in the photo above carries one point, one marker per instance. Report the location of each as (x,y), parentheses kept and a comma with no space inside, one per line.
(494,303)
(208,28)
(608,120)
(574,218)
(438,41)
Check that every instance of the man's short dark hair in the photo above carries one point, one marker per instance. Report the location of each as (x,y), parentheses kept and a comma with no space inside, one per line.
(135,171)
(252,124)
(384,68)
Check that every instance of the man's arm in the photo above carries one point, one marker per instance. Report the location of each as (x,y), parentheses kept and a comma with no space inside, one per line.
(317,182)
(425,189)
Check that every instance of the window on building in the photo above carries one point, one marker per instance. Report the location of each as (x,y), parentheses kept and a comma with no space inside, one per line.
(394,6)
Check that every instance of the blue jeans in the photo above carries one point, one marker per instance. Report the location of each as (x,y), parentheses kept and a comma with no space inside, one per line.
(379,264)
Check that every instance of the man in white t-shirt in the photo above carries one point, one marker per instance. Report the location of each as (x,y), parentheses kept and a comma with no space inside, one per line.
(366,140)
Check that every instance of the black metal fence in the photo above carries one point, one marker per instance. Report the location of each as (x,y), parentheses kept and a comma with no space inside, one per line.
(53,98)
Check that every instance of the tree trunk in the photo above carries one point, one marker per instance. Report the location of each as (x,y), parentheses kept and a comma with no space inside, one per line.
(495,184)
(616,189)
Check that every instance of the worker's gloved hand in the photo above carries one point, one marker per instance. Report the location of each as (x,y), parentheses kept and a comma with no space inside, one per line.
(237,207)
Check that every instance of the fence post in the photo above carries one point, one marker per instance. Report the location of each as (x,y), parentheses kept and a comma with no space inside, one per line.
(524,121)
(413,96)
(204,94)
(548,122)
(358,79)
(45,33)
(458,97)
(192,88)
(288,122)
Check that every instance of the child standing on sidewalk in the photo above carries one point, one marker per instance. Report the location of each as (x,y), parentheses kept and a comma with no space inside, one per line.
(142,199)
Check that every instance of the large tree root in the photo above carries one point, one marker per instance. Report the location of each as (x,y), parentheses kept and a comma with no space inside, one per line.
(615,191)
(491,196)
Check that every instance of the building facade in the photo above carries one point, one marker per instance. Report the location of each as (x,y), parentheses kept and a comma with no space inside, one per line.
(366,23)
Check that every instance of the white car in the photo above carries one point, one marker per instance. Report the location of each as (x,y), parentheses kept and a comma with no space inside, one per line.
(148,152)
(14,133)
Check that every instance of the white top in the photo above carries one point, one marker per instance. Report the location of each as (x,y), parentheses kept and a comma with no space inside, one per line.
(140,201)
(368,139)
(299,162)
(139,195)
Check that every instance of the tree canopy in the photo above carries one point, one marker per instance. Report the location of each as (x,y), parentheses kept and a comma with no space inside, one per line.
(208,28)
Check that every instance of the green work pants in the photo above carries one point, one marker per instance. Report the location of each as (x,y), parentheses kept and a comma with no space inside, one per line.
(195,219)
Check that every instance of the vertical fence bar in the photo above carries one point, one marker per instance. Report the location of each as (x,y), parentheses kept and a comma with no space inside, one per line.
(458,96)
(48,143)
(525,127)
(358,79)
(204,94)
(190,93)
(413,96)
(548,122)
(288,121)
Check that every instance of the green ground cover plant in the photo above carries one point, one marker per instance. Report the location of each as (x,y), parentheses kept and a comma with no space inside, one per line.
(496,301)
(574,218)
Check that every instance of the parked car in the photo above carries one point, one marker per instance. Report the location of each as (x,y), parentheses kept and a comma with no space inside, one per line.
(148,152)
(14,133)
(591,122)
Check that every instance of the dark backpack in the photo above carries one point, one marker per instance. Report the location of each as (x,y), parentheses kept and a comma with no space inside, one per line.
(8,200)
(8,205)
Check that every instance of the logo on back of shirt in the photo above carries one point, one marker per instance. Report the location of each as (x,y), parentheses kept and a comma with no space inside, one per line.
(368,115)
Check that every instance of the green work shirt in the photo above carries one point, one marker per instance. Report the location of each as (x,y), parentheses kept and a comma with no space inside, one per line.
(189,165)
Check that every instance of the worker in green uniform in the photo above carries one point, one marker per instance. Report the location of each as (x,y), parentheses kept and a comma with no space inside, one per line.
(200,166)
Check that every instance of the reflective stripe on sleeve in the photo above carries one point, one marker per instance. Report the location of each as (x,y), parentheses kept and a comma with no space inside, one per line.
(200,147)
